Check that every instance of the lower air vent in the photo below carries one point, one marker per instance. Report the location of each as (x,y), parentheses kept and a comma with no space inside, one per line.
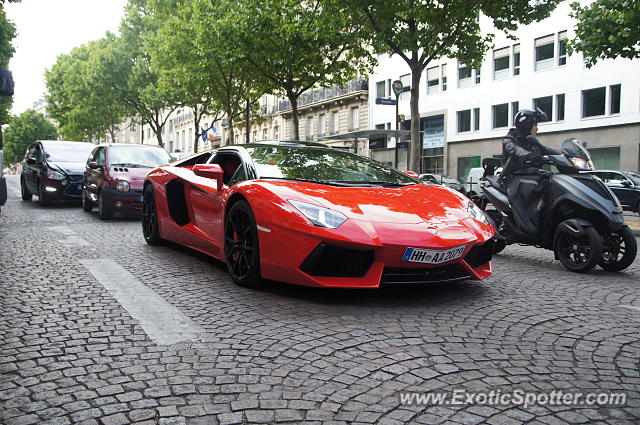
(423,275)
(177,203)
(480,254)
(336,261)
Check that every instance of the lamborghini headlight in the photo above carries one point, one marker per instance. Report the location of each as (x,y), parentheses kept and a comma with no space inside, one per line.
(320,216)
(475,212)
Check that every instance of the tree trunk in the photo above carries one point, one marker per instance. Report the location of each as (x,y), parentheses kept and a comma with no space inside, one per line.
(415,147)
(294,115)
(196,124)
(248,121)
(230,140)
(158,132)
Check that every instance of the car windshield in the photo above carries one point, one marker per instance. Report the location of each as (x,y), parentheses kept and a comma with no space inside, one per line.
(324,165)
(137,156)
(636,177)
(67,152)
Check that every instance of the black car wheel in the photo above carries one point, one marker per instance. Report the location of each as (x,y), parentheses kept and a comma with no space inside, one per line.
(103,209)
(42,195)
(150,228)
(87,204)
(241,245)
(24,191)
(579,254)
(619,250)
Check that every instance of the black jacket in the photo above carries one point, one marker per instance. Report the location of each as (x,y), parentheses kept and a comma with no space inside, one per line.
(520,153)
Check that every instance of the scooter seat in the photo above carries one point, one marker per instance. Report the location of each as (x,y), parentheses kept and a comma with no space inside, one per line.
(493,181)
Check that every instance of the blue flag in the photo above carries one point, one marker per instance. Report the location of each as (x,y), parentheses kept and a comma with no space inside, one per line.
(203,134)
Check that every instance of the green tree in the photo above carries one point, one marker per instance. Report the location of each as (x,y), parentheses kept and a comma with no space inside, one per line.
(24,129)
(606,29)
(79,98)
(7,34)
(423,31)
(294,45)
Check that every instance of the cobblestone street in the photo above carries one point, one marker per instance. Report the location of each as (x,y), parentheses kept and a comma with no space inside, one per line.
(71,353)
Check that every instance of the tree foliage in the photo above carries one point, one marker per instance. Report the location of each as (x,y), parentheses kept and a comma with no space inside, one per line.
(79,96)
(423,31)
(25,129)
(7,34)
(606,29)
(294,45)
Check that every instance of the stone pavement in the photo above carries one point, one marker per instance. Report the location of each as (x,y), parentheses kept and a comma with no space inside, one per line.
(70,353)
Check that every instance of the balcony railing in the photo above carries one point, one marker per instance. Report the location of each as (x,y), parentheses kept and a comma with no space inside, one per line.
(320,94)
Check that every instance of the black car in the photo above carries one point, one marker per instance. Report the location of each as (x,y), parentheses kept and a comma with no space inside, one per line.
(447,181)
(625,185)
(52,170)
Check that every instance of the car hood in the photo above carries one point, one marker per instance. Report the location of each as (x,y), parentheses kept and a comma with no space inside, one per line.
(135,176)
(68,167)
(435,205)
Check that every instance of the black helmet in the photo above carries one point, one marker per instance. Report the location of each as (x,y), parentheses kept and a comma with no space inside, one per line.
(526,118)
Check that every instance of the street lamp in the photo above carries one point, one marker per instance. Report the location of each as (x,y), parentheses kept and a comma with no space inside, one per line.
(397,89)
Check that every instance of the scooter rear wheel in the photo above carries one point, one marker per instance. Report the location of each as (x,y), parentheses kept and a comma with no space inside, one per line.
(619,250)
(579,254)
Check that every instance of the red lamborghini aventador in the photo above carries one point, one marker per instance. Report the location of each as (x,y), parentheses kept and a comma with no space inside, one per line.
(312,215)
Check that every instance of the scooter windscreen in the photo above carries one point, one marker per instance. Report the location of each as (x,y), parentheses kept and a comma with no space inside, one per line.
(579,156)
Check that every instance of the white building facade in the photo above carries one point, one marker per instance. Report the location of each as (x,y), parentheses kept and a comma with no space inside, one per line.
(465,112)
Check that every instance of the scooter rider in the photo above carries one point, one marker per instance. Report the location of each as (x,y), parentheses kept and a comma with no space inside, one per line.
(521,175)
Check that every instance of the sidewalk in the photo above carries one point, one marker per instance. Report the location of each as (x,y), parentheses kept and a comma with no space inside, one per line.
(633,221)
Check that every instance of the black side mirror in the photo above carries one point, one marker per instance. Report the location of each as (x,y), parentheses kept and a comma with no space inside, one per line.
(32,161)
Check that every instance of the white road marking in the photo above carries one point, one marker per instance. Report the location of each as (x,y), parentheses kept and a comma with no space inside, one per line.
(161,321)
(70,238)
(630,307)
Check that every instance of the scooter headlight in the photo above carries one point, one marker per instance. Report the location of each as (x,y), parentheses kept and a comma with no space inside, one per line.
(582,164)
(475,212)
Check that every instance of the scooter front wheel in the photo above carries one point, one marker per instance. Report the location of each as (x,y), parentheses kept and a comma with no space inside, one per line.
(618,250)
(579,253)
(498,243)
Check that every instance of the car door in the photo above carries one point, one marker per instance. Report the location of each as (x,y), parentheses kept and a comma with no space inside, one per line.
(208,204)
(27,168)
(94,175)
(622,187)
(37,168)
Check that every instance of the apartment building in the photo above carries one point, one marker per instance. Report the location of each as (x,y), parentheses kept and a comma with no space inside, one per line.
(464,112)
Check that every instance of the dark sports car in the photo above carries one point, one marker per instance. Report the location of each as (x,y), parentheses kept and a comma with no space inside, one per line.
(316,216)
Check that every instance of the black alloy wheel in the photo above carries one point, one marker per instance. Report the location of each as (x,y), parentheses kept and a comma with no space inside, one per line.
(241,245)
(150,229)
(103,209)
(619,250)
(579,254)
(87,204)
(24,191)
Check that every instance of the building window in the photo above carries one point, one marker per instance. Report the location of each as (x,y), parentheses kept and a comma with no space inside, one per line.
(562,48)
(321,125)
(276,132)
(501,63)
(560,107)
(309,128)
(516,59)
(355,118)
(380,89)
(544,52)
(255,135)
(476,119)
(389,84)
(500,115)
(464,121)
(515,107)
(406,86)
(380,126)
(444,77)
(477,73)
(545,104)
(606,158)
(132,127)
(464,76)
(614,95)
(335,122)
(467,163)
(264,133)
(593,102)
(433,80)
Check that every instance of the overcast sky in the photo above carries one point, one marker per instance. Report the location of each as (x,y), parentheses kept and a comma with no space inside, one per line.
(48,28)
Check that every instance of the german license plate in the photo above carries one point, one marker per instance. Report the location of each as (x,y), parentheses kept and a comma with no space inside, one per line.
(429,256)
